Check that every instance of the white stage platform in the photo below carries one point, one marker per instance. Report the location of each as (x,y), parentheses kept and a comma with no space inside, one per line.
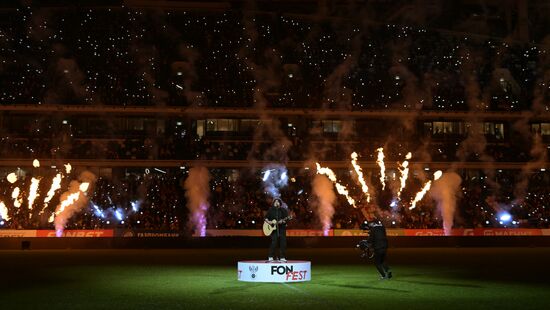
(275,271)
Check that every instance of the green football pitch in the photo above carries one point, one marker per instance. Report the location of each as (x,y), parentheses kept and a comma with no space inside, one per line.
(426,278)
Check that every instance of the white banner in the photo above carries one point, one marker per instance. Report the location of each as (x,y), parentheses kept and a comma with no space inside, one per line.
(264,271)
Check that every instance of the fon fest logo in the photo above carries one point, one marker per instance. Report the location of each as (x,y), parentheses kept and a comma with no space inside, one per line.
(289,272)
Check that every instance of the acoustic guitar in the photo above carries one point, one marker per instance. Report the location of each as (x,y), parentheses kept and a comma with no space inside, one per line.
(270,226)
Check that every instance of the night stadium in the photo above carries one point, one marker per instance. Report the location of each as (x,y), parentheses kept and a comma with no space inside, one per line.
(274,154)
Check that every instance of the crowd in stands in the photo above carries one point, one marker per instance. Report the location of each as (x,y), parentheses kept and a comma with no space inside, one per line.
(238,200)
(130,57)
(295,149)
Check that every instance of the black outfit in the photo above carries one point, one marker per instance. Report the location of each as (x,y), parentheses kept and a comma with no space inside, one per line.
(279,235)
(379,242)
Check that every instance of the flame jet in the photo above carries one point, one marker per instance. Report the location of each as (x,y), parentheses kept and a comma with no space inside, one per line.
(56,184)
(424,190)
(15,195)
(380,162)
(342,190)
(33,192)
(404,174)
(4,211)
(359,173)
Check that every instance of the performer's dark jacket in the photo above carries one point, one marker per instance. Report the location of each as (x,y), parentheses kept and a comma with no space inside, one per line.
(277,213)
(377,236)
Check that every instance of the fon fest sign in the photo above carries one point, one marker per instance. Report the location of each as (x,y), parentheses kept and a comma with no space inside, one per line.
(275,272)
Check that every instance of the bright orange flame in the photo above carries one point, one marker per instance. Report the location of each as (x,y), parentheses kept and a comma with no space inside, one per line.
(67,202)
(424,190)
(15,195)
(420,194)
(359,173)
(12,177)
(4,211)
(56,184)
(84,186)
(380,162)
(71,199)
(68,168)
(404,174)
(33,191)
(342,190)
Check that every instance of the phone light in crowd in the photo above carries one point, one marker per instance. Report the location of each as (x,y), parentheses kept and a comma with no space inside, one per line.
(505,217)
(97,211)
(284,176)
(135,205)
(266,175)
(119,215)
(161,171)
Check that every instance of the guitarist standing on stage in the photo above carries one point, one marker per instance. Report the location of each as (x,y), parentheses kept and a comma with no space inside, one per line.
(280,214)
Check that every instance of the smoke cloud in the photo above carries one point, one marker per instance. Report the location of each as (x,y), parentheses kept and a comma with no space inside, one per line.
(477,100)
(266,67)
(197,191)
(539,156)
(73,200)
(323,190)
(274,177)
(541,92)
(445,191)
